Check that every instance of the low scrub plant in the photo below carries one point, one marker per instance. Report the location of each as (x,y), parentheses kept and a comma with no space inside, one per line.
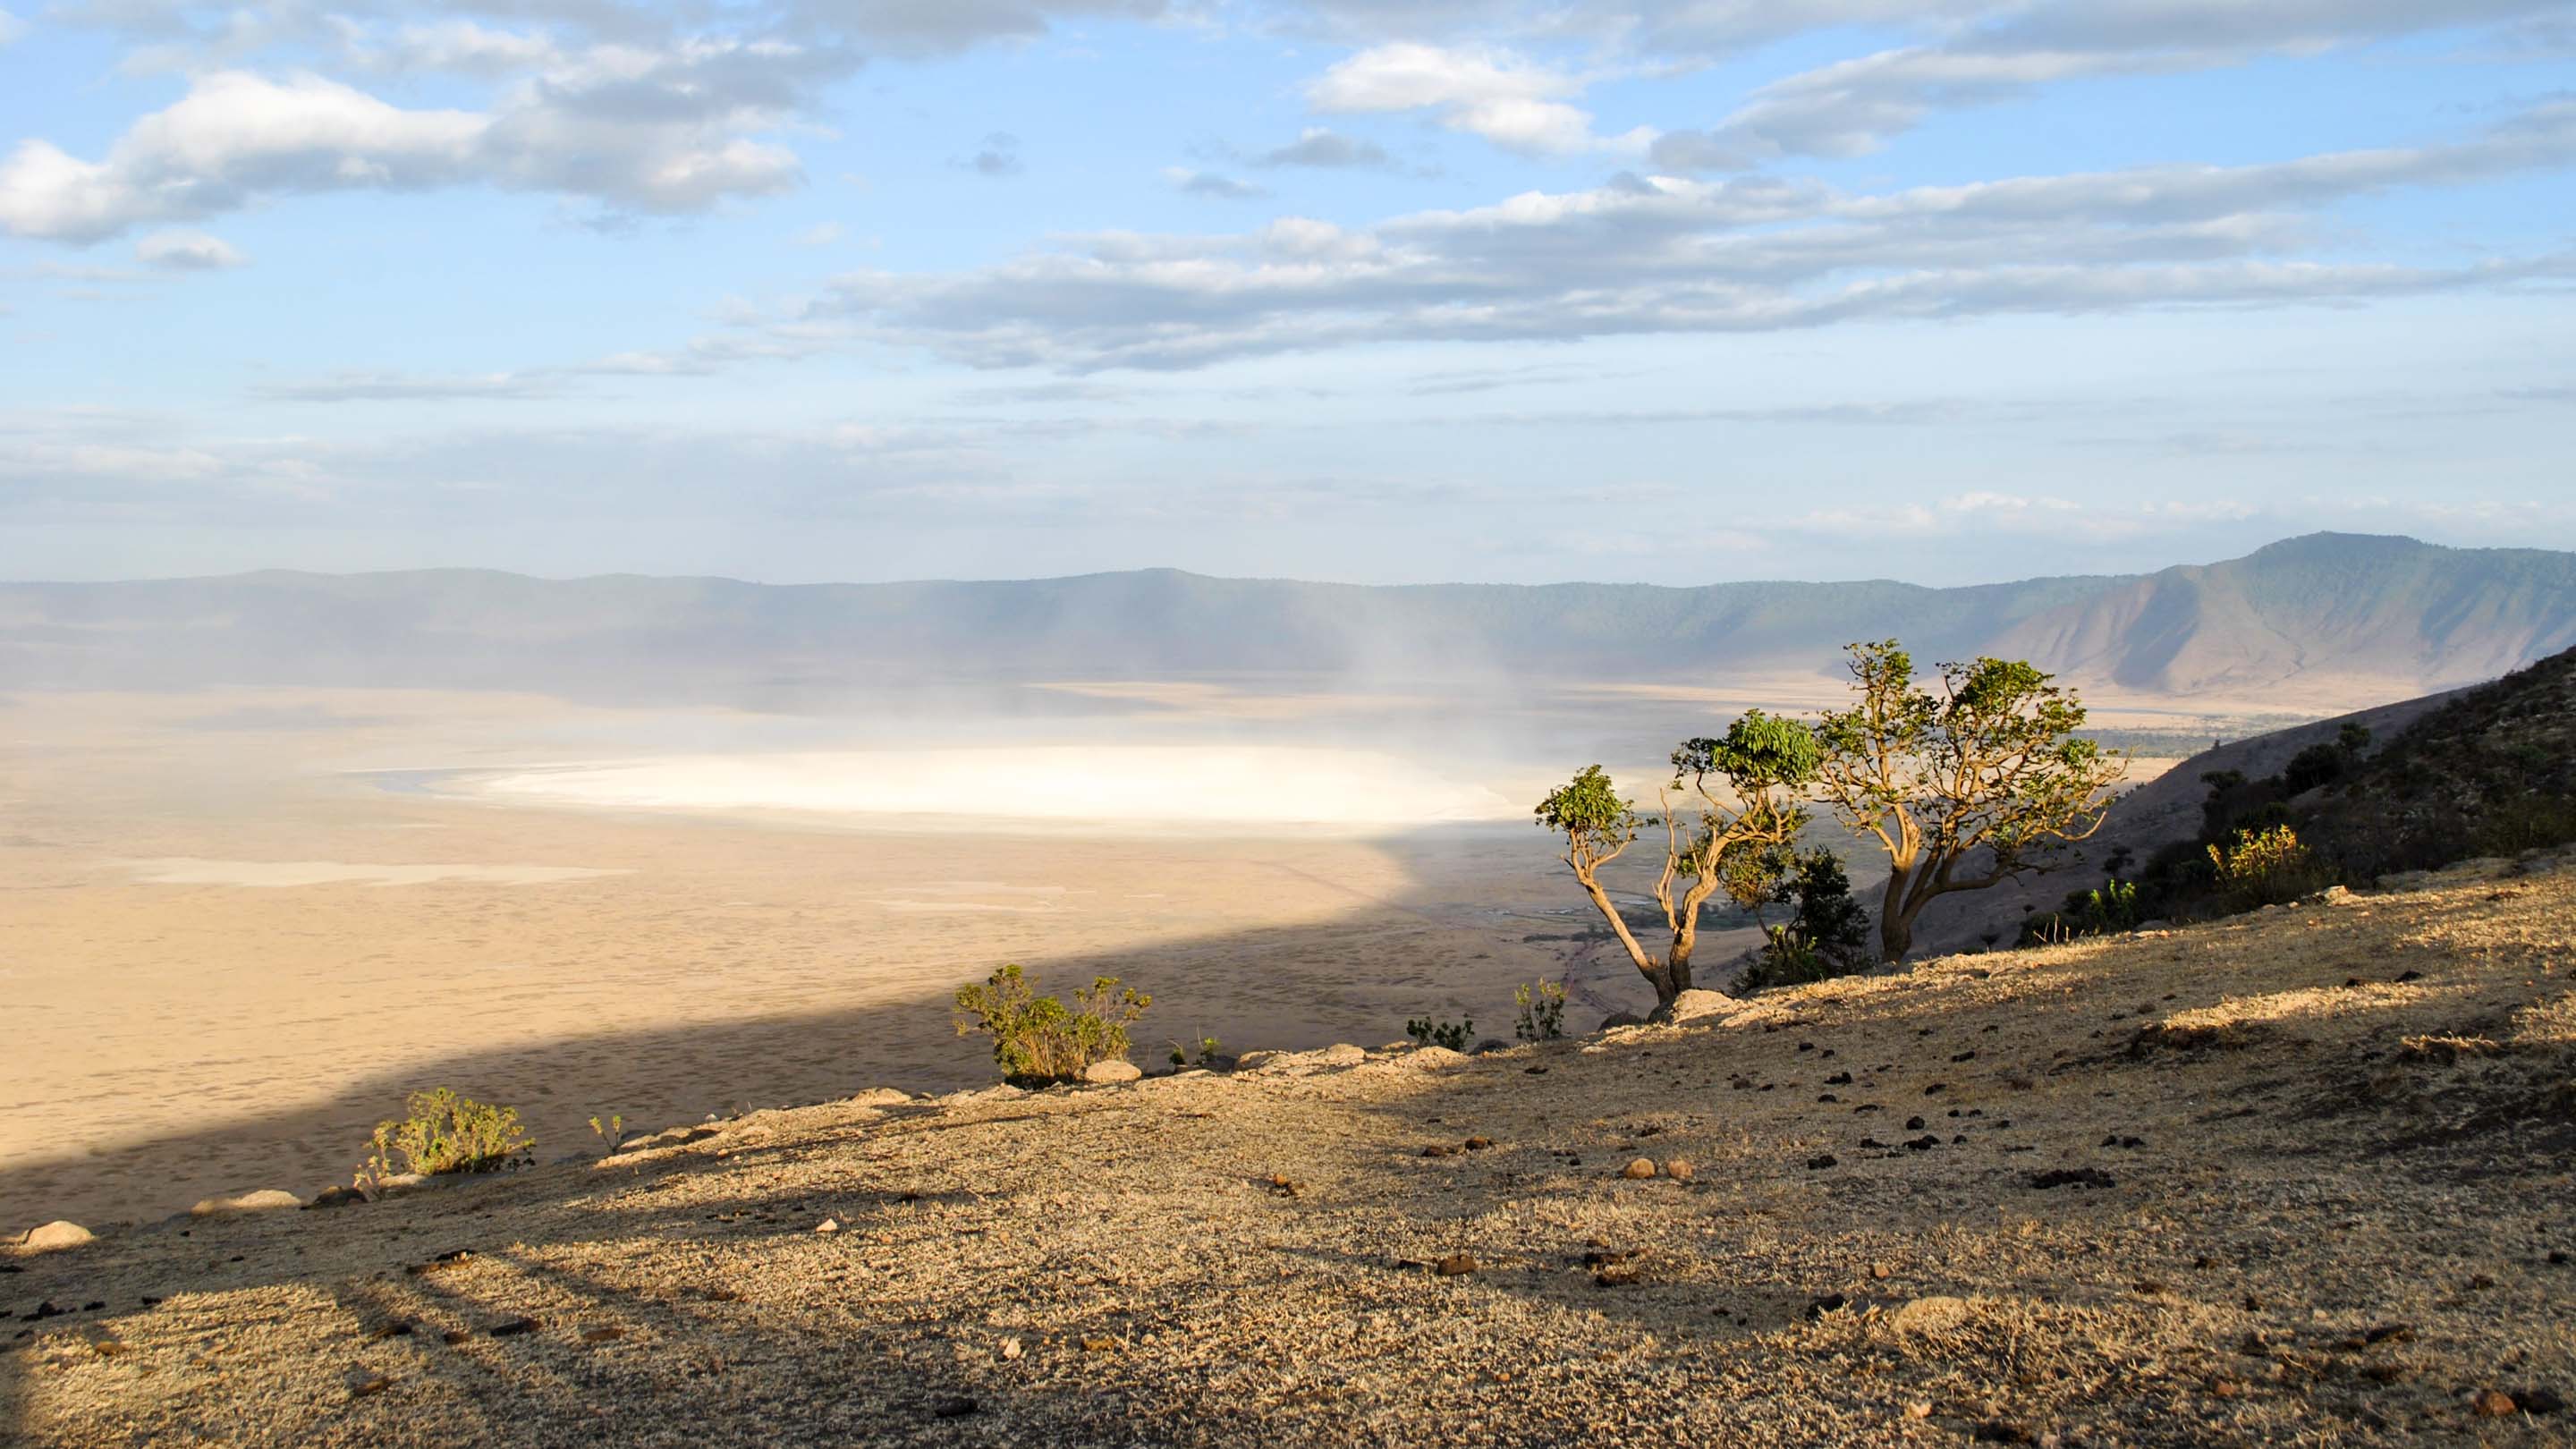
(1450,1034)
(2265,867)
(1207,1050)
(609,1132)
(1038,1040)
(1542,1010)
(443,1132)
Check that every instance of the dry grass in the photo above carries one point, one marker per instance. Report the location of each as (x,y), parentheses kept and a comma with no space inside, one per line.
(2313,1235)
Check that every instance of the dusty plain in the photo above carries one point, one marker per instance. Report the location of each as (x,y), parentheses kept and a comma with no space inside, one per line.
(237,927)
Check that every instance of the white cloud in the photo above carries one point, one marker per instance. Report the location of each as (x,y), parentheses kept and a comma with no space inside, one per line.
(1514,103)
(187,251)
(822,234)
(11,27)
(1668,255)
(1210,184)
(1327,149)
(654,132)
(1854,107)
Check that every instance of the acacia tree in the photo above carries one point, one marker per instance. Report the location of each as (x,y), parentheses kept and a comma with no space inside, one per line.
(1762,762)
(1966,788)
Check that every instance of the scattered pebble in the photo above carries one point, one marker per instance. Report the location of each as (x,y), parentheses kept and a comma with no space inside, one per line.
(1643,1167)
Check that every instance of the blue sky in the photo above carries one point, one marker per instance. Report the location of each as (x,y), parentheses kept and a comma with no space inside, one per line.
(1670,290)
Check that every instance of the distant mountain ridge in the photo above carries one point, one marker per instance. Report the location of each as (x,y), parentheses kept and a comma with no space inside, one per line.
(2419,616)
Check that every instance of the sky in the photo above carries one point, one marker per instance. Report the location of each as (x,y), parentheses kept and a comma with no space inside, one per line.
(1675,291)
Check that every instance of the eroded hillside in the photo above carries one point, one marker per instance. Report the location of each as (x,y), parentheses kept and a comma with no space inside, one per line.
(2299,1177)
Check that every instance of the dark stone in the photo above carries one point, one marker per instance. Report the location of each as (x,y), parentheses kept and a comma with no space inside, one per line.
(2072,1177)
(1456,1265)
(1828,1097)
(1820,1162)
(1830,1303)
(1913,1124)
(1924,1143)
(1997,1431)
(1478,1144)
(1936,1089)
(2405,976)
(1967,1056)
(512,1328)
(1839,1079)
(2538,1401)
(954,1408)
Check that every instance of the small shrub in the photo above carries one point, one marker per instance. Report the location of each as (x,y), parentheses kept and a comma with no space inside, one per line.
(1450,1034)
(2106,911)
(1207,1052)
(1542,1010)
(609,1133)
(444,1133)
(2265,867)
(1038,1040)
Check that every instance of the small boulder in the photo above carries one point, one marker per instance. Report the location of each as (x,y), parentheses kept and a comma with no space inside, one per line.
(1694,1004)
(1433,1059)
(337,1195)
(57,1235)
(881,1097)
(1618,1019)
(1116,1069)
(1678,1169)
(1639,1169)
(1343,1054)
(1255,1061)
(249,1202)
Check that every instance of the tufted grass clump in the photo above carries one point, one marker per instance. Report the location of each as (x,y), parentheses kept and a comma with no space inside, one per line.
(1038,1040)
(445,1133)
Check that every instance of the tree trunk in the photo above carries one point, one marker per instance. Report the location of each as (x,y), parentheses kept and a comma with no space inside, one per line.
(1675,978)
(1670,980)
(1895,918)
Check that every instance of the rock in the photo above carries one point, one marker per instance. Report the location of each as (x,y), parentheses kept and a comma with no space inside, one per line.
(1478,1144)
(2336,895)
(1692,1005)
(1492,1044)
(1343,1054)
(1011,1348)
(1935,1314)
(828,1225)
(364,1383)
(514,1327)
(1618,1019)
(1456,1265)
(1820,1162)
(603,1333)
(1639,1169)
(2072,1177)
(1919,1409)
(57,1235)
(1255,1061)
(250,1202)
(1432,1059)
(953,1408)
(2538,1401)
(2493,1404)
(881,1097)
(1678,1169)
(1881,1271)
(1116,1069)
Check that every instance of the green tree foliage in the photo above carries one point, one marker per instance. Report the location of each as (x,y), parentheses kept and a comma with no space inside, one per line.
(1827,933)
(1038,1040)
(2266,867)
(1725,793)
(1964,787)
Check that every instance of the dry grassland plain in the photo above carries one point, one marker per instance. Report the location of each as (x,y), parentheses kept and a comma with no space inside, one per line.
(241,926)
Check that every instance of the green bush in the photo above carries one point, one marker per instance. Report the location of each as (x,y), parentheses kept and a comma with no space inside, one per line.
(2266,867)
(2106,911)
(1038,1040)
(445,1133)
(1450,1034)
(1542,1010)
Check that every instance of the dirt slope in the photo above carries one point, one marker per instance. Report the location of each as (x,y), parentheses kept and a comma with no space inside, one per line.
(2329,1152)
